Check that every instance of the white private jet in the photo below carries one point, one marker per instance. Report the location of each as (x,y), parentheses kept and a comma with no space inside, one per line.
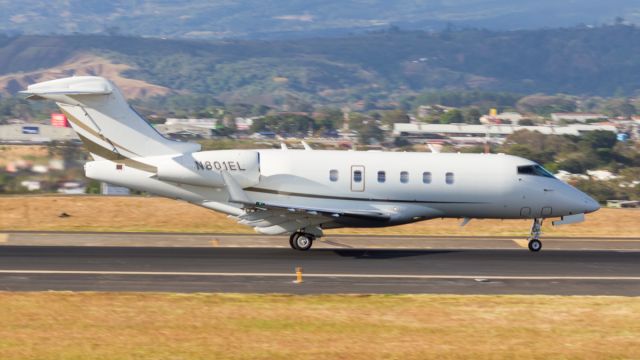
(303,192)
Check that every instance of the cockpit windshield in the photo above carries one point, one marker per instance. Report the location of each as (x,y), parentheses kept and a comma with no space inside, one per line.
(535,170)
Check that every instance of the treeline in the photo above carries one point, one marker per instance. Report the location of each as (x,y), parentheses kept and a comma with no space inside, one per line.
(377,68)
(575,154)
(591,151)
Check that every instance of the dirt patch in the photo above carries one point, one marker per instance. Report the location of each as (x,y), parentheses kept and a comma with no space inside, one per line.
(10,153)
(103,213)
(80,65)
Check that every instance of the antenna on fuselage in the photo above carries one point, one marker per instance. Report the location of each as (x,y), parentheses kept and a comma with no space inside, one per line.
(306,146)
(487,139)
(283,146)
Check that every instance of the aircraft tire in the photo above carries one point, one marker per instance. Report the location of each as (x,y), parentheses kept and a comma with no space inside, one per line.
(535,245)
(303,241)
(292,241)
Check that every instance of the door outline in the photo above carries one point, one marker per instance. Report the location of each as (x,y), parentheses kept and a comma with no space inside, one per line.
(357,186)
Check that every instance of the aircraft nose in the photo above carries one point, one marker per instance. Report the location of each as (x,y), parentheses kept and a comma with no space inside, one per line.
(591,205)
(580,202)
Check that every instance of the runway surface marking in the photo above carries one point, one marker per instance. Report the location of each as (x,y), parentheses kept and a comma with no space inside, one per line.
(522,243)
(334,243)
(292,274)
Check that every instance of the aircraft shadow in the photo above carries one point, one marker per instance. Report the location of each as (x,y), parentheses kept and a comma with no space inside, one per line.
(381,254)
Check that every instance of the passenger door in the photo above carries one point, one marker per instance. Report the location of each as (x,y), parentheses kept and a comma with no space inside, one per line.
(357,178)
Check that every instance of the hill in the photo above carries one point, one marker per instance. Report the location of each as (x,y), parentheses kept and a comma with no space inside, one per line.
(372,66)
(274,18)
(84,64)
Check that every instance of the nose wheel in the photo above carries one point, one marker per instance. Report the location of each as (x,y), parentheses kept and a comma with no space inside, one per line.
(301,241)
(535,244)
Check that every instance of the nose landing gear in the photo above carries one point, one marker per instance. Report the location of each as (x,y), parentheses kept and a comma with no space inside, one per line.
(535,244)
(301,241)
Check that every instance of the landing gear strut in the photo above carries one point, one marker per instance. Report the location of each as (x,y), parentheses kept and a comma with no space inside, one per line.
(301,241)
(535,244)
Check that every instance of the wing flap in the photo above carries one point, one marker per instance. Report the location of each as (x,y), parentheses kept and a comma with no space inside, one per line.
(277,218)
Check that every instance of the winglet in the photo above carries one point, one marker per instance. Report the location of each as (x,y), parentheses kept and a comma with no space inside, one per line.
(236,194)
(306,146)
(283,146)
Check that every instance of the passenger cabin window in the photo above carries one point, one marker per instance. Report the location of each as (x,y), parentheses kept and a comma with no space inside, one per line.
(382,176)
(449,178)
(333,175)
(404,177)
(426,177)
(357,176)
(535,170)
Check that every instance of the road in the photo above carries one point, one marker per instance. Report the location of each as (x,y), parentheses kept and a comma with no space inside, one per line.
(325,270)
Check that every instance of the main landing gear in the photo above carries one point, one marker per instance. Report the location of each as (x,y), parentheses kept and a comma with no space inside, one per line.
(301,241)
(535,244)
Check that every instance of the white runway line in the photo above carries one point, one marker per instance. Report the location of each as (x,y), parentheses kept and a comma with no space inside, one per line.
(292,274)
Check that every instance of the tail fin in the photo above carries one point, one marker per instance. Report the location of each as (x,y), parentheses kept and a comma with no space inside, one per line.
(104,121)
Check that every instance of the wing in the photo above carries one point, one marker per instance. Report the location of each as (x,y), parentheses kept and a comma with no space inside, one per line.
(275,218)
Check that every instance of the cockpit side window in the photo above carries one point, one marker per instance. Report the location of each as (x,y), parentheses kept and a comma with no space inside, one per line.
(535,170)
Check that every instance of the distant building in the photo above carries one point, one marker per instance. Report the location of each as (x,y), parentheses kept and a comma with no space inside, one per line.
(620,204)
(578,117)
(263,135)
(478,134)
(502,118)
(601,175)
(31,185)
(188,129)
(244,124)
(29,133)
(567,176)
(72,188)
(425,111)
(59,120)
(110,189)
(210,123)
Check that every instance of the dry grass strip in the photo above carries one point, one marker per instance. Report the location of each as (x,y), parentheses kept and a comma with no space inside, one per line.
(138,214)
(214,326)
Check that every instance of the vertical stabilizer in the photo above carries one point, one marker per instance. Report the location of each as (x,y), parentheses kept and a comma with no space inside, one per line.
(104,121)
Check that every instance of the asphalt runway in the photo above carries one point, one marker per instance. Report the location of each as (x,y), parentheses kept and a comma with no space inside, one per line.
(328,270)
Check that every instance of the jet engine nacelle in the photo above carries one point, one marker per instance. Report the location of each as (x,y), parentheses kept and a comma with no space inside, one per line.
(204,168)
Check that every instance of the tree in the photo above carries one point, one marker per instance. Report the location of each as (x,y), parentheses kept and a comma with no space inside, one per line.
(452,117)
(619,107)
(330,118)
(394,116)
(599,190)
(573,165)
(472,116)
(545,105)
(599,139)
(370,133)
(293,124)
